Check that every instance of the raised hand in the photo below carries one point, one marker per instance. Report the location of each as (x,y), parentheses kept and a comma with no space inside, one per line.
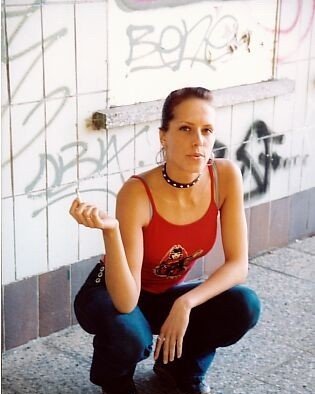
(91,216)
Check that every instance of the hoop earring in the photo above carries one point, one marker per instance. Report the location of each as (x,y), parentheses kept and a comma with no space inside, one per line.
(161,156)
(211,158)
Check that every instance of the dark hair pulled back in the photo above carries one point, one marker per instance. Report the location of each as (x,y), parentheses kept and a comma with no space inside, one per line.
(177,97)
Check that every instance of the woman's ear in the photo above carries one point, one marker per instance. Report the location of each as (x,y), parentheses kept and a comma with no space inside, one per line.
(162,137)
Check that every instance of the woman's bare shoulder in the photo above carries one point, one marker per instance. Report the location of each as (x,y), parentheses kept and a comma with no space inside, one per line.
(229,177)
(134,189)
(227,168)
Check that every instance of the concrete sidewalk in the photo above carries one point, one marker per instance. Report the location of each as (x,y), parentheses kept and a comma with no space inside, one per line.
(275,357)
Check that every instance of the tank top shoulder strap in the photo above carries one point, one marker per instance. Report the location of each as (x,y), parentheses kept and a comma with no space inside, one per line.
(147,189)
(214,183)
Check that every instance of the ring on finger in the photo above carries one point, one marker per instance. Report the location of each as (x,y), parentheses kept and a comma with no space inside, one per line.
(160,339)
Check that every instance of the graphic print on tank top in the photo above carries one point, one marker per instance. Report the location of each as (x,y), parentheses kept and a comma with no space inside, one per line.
(175,263)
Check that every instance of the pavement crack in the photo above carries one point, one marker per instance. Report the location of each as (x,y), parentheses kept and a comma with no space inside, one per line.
(282,273)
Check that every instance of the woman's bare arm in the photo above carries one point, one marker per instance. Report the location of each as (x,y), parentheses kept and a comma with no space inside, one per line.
(233,272)
(234,239)
(123,242)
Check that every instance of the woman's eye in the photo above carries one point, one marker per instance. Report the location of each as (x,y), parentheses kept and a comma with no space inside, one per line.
(184,128)
(208,131)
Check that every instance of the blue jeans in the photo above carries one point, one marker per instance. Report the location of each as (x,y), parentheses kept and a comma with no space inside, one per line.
(123,339)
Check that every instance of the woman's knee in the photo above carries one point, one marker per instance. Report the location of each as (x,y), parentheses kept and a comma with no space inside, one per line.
(126,332)
(247,305)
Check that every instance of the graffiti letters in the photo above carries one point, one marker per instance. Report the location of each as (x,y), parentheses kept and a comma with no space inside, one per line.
(207,42)
(136,5)
(107,154)
(260,167)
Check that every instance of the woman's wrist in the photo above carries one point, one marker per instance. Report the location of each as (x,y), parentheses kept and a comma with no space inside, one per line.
(111,231)
(184,303)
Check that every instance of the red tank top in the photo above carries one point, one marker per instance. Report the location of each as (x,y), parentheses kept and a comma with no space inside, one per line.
(170,250)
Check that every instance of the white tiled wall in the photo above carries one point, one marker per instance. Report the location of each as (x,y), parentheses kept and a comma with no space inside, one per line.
(30,236)
(93,143)
(28,146)
(6,181)
(59,48)
(146,136)
(25,53)
(121,148)
(7,240)
(91,33)
(61,141)
(93,191)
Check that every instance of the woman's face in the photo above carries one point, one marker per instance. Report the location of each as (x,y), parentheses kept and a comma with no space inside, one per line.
(189,140)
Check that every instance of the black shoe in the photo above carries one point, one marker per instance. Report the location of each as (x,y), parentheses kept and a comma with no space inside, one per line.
(185,385)
(128,388)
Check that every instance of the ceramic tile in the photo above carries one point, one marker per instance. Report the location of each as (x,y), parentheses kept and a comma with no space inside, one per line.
(16,296)
(62,250)
(30,236)
(264,110)
(7,241)
(241,155)
(283,113)
(305,24)
(301,85)
(307,159)
(59,49)
(92,143)
(286,70)
(311,219)
(6,174)
(223,129)
(279,223)
(93,191)
(121,149)
(289,32)
(310,110)
(312,54)
(54,301)
(61,141)
(242,120)
(25,53)
(91,41)
(28,145)
(147,144)
(261,171)
(22,2)
(259,228)
(4,66)
(296,160)
(299,215)
(280,166)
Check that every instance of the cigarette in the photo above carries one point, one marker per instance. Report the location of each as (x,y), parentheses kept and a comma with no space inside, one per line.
(78,194)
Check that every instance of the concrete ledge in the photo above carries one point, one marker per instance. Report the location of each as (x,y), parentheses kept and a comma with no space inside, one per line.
(151,111)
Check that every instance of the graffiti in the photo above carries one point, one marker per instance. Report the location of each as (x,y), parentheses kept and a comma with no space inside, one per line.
(56,189)
(136,5)
(294,28)
(260,168)
(37,48)
(207,42)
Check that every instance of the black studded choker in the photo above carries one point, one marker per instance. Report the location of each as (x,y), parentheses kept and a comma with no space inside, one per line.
(178,184)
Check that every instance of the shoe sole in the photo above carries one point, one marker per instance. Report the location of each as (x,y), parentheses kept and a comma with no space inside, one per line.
(168,378)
